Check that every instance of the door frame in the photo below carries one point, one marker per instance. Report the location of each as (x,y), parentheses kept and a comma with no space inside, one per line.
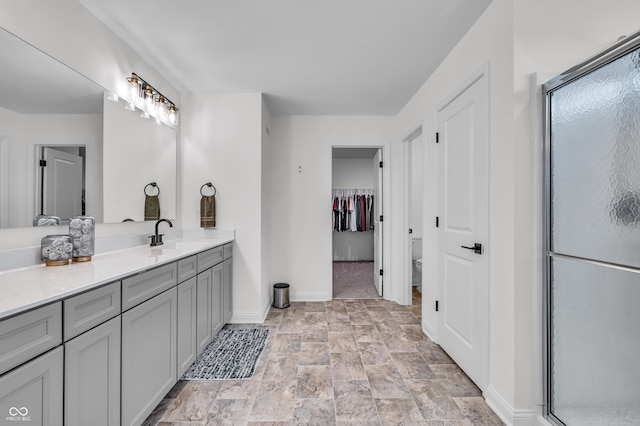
(482,71)
(405,290)
(386,212)
(4,182)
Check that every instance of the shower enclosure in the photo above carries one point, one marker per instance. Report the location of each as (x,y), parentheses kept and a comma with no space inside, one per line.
(592,240)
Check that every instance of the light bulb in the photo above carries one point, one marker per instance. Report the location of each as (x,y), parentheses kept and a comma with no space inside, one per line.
(134,90)
(172,115)
(148,100)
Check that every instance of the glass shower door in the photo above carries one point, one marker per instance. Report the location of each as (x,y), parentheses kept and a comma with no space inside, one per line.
(593,243)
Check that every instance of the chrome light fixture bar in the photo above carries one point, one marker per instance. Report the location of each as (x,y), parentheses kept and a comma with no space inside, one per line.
(151,102)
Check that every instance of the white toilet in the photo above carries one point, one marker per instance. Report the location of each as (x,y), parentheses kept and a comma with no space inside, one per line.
(416,257)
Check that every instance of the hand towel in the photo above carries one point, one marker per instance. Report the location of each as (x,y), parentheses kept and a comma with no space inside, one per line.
(208,211)
(151,207)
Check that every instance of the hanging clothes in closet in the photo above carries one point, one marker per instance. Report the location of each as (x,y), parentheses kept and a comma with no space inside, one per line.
(353,210)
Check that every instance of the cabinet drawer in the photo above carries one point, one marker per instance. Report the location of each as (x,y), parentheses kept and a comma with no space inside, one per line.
(187,268)
(228,250)
(209,258)
(87,310)
(144,286)
(27,335)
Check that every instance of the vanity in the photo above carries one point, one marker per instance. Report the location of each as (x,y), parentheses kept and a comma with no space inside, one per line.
(102,342)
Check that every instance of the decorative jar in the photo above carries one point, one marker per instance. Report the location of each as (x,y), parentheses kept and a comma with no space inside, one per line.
(82,230)
(56,249)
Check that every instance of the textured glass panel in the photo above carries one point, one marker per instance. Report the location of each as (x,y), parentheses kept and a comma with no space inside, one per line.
(595,344)
(595,164)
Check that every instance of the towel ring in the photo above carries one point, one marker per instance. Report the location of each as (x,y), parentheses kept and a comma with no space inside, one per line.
(153,184)
(210,185)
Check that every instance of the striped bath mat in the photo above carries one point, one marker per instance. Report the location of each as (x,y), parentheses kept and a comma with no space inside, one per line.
(232,354)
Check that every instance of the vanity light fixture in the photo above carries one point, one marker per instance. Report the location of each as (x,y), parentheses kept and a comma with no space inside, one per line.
(151,102)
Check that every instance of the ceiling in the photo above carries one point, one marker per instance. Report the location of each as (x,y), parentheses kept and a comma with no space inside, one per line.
(327,57)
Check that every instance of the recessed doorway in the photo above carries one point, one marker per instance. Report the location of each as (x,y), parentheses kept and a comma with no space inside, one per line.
(356,223)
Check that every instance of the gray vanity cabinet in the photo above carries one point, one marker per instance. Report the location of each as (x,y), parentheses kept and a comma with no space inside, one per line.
(32,393)
(187,308)
(92,377)
(209,306)
(217,319)
(227,290)
(149,355)
(210,318)
(204,292)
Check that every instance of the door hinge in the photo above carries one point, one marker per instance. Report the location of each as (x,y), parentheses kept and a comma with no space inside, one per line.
(43,163)
(436,306)
(437,137)
(410,231)
(437,222)
(381,218)
(381,164)
(381,272)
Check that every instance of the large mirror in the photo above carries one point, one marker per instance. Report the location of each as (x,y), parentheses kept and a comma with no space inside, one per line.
(65,149)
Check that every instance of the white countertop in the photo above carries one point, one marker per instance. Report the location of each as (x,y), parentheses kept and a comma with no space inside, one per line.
(27,288)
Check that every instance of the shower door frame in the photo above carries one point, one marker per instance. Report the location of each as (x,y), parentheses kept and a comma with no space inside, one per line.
(605,57)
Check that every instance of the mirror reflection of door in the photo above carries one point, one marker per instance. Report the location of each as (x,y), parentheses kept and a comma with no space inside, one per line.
(62,182)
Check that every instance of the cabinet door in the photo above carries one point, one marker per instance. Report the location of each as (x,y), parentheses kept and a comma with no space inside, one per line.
(217,320)
(187,344)
(148,355)
(92,377)
(204,331)
(227,290)
(32,394)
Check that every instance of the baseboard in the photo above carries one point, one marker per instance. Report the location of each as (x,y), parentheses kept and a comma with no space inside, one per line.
(247,318)
(428,330)
(499,405)
(309,297)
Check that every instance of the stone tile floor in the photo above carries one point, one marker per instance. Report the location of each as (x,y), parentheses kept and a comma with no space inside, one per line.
(343,362)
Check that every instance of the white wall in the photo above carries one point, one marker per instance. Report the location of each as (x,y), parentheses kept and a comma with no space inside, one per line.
(301,220)
(417,186)
(222,144)
(352,173)
(136,152)
(78,39)
(267,193)
(490,41)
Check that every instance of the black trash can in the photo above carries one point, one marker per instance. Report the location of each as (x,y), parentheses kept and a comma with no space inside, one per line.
(281,295)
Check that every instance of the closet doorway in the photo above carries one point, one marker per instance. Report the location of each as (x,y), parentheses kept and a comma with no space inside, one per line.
(356,223)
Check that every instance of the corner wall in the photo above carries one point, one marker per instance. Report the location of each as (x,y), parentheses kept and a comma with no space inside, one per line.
(222,144)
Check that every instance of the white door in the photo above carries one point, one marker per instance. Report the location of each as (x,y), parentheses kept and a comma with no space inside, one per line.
(62,184)
(377,223)
(463,206)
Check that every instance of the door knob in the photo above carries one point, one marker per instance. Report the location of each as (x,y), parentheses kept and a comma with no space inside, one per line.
(477,248)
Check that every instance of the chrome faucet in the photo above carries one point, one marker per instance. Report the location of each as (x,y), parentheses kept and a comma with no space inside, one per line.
(156,240)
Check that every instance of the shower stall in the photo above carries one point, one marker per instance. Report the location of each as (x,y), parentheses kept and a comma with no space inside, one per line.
(592,240)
